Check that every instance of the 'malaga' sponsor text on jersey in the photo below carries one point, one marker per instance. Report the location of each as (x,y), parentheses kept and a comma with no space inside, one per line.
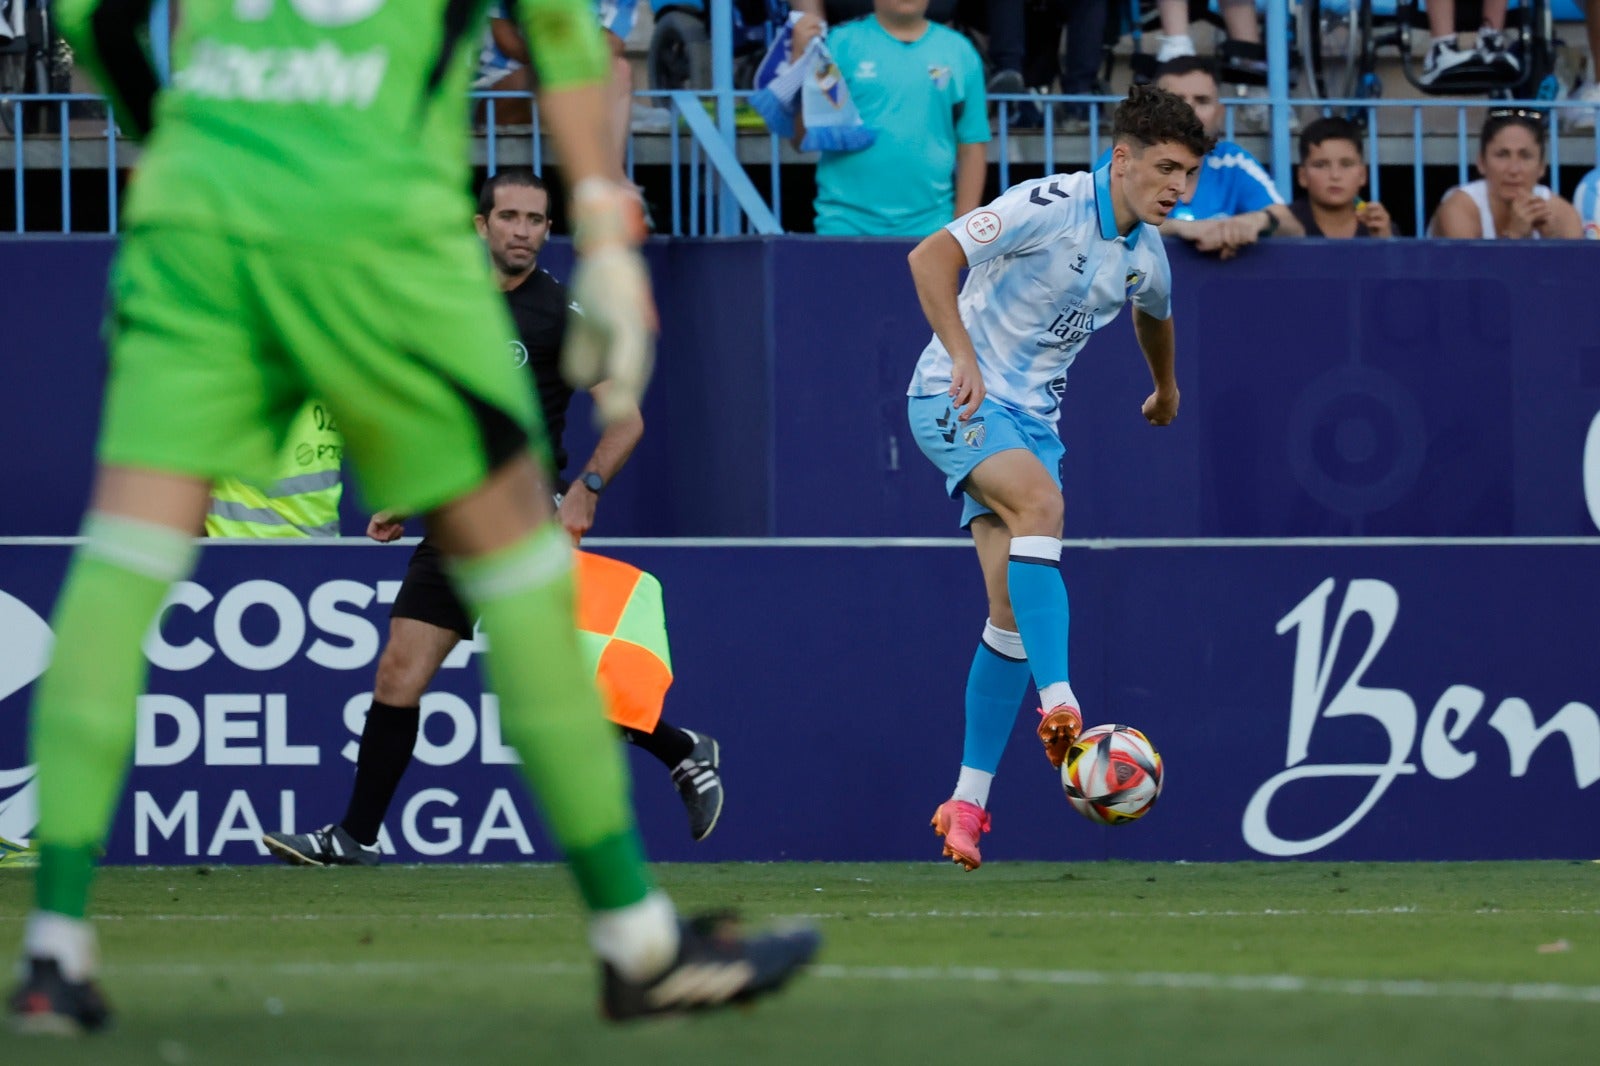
(1048,268)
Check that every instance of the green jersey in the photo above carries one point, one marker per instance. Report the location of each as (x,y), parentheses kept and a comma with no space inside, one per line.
(312,120)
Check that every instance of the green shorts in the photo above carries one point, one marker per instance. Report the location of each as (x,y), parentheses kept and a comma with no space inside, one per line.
(216,344)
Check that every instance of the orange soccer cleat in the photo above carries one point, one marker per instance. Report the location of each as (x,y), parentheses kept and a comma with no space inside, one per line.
(961,823)
(1058,728)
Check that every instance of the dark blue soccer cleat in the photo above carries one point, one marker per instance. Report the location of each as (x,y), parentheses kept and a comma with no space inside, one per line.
(48,1004)
(715,967)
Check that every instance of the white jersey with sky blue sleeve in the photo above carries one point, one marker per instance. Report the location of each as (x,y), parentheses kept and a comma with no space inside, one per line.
(1048,269)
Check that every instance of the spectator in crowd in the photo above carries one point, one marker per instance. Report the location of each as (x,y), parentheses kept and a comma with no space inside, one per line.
(1333,171)
(1587,202)
(1589,91)
(920,86)
(503,65)
(1240,21)
(1233,203)
(1507,202)
(1445,54)
(1025,49)
(1238,18)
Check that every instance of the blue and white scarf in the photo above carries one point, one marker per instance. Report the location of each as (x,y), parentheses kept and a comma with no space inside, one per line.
(832,122)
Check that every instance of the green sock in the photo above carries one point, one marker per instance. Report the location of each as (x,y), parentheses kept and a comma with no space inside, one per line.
(83,711)
(551,714)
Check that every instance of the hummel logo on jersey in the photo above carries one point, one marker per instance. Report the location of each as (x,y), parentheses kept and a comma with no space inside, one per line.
(1054,189)
(947,426)
(866,69)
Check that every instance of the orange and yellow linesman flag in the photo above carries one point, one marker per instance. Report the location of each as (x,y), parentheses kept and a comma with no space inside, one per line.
(622,629)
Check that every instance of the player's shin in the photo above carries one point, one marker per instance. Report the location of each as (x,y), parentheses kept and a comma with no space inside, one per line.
(551,714)
(995,686)
(1039,602)
(83,713)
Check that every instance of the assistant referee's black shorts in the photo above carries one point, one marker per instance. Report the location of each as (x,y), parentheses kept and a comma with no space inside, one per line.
(427,595)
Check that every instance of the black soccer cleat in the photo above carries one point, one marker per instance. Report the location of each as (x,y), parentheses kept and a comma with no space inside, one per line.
(700,786)
(47,1004)
(328,846)
(715,967)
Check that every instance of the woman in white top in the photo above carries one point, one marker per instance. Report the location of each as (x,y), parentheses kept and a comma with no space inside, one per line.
(1508,202)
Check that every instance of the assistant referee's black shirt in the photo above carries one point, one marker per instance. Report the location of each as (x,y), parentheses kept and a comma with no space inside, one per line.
(539,308)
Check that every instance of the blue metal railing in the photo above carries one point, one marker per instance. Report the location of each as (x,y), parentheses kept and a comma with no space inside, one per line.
(711,188)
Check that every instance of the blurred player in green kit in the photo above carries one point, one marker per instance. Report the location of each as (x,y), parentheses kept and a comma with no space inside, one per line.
(299,227)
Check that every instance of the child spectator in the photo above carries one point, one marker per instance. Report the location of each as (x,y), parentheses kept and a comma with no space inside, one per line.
(1333,172)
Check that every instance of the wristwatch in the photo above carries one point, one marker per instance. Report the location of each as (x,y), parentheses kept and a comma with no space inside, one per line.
(593,482)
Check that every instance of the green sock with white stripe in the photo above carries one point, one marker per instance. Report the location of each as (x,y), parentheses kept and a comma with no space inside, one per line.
(550,712)
(83,710)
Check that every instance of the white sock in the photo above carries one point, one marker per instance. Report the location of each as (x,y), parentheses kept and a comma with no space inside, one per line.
(1052,696)
(1449,39)
(1173,47)
(69,941)
(973,786)
(640,940)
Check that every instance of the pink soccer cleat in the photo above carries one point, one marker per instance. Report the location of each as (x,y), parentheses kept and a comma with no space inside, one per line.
(1058,728)
(961,823)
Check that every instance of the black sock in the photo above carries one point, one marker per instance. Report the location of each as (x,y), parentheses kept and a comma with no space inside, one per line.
(668,743)
(386,743)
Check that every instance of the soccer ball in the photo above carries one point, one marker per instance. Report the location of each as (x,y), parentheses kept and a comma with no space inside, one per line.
(1112,774)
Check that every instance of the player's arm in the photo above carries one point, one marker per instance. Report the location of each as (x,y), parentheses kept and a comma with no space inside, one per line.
(109,39)
(1158,341)
(936,266)
(617,442)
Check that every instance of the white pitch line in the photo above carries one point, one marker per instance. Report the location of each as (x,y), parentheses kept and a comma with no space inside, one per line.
(1252,984)
(1406,910)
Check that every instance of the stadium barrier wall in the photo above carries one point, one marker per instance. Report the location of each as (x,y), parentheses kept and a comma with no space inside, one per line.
(1404,388)
(1336,701)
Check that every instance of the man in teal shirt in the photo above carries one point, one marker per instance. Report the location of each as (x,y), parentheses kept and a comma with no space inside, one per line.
(920,86)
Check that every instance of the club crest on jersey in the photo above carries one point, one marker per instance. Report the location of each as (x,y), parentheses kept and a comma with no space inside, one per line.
(972,436)
(940,76)
(983,226)
(1134,279)
(519,354)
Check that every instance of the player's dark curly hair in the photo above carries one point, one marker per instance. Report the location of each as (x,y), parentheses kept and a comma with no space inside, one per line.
(1152,115)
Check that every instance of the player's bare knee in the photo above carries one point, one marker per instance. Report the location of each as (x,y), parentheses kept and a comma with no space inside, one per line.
(1037,513)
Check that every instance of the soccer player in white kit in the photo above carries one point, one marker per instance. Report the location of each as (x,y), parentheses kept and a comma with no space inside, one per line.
(1051,262)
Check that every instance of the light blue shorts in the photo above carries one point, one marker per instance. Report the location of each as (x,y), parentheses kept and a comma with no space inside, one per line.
(956,447)
(617,16)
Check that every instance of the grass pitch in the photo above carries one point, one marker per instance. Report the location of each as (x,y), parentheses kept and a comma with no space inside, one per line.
(1016,963)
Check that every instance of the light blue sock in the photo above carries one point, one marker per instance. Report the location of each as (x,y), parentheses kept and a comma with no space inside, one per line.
(995,687)
(1039,601)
